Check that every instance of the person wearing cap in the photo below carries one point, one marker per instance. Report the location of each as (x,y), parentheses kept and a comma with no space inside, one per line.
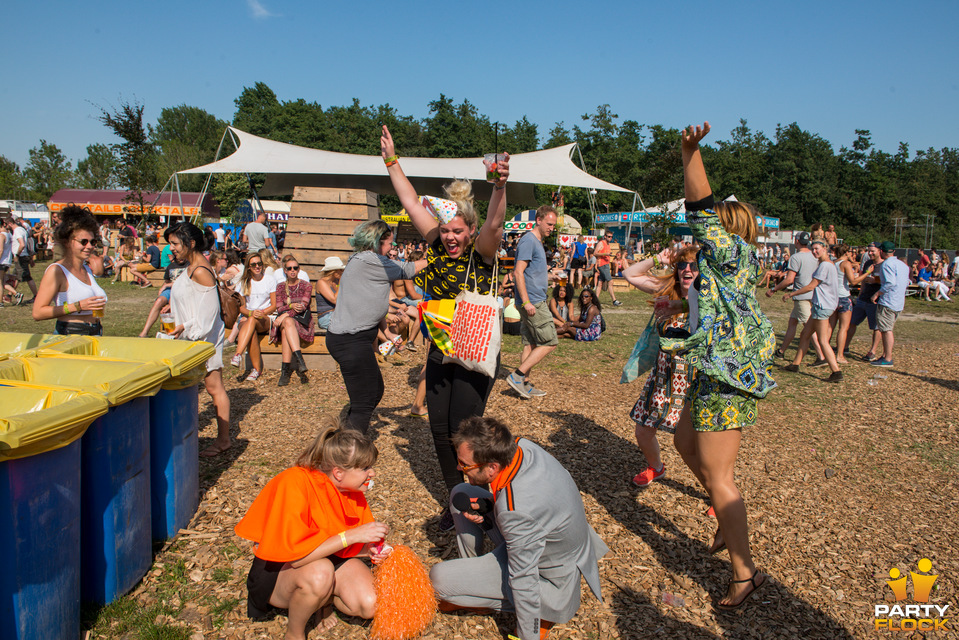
(865,308)
(891,298)
(799,272)
(327,286)
(825,289)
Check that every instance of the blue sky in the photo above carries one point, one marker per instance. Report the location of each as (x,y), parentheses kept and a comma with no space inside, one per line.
(832,67)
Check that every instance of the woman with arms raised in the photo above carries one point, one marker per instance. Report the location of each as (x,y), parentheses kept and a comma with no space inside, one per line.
(459,259)
(731,348)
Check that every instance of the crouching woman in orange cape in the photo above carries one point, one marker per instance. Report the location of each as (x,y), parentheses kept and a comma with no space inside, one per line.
(310,525)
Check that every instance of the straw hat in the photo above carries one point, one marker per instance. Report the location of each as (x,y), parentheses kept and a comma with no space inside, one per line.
(333,263)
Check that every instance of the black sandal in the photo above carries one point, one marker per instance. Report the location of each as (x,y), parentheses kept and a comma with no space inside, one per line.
(742,601)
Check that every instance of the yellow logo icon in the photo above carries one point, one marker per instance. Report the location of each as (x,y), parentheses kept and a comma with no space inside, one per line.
(921,584)
(912,617)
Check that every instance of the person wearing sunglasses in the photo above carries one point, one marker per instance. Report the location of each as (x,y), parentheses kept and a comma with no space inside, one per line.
(68,291)
(660,403)
(294,325)
(259,301)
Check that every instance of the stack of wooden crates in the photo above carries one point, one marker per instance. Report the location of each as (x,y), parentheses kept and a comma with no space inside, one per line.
(320,224)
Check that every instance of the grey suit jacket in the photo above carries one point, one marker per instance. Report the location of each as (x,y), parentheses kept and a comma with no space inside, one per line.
(549,543)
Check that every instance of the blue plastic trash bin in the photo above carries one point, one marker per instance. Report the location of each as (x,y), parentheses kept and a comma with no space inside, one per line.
(174,460)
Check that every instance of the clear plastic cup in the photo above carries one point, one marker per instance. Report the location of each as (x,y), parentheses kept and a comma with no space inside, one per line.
(167,322)
(492,160)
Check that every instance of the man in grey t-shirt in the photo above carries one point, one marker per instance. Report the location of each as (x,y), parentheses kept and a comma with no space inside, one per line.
(256,233)
(531,275)
(799,271)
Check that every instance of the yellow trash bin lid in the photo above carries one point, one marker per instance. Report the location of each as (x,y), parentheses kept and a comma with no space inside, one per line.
(26,344)
(37,420)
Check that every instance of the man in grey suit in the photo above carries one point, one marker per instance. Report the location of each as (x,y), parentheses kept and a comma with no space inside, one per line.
(537,522)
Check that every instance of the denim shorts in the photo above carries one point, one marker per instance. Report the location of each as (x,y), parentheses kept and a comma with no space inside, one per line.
(820,313)
(845,304)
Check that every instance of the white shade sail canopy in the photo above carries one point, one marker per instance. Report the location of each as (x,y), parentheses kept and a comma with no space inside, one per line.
(287,166)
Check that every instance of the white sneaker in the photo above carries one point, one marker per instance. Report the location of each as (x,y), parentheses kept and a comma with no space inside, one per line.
(236,360)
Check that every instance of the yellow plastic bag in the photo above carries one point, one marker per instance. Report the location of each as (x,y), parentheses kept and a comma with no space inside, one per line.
(37,420)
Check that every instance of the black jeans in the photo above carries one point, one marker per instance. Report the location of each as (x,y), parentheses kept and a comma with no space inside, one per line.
(356,355)
(452,395)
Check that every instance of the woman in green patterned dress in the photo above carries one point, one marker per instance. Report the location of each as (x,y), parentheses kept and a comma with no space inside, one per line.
(731,347)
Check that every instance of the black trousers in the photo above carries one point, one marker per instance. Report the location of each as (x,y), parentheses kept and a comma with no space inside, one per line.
(452,395)
(356,355)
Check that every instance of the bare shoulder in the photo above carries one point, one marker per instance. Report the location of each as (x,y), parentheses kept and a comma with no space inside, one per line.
(203,275)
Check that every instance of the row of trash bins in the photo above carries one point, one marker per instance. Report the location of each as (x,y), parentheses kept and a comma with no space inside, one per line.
(98,458)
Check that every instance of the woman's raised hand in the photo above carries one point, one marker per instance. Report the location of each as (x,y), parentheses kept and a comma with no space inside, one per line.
(502,168)
(692,135)
(387,148)
(665,257)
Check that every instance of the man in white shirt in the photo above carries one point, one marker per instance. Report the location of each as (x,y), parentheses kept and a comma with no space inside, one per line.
(220,235)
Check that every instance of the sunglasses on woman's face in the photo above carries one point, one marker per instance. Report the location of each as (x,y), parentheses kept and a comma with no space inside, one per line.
(256,264)
(295,267)
(83,242)
(682,265)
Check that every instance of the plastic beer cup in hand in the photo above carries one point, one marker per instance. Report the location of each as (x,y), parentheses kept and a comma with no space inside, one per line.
(492,160)
(168,322)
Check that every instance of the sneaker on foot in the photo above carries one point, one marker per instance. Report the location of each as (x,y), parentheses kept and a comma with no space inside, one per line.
(647,475)
(881,362)
(533,391)
(869,357)
(17,298)
(835,376)
(518,385)
(236,360)
(820,362)
(253,376)
(791,367)
(617,303)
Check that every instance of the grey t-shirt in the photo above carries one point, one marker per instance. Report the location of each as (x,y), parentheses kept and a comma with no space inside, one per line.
(530,249)
(256,235)
(363,297)
(826,295)
(804,264)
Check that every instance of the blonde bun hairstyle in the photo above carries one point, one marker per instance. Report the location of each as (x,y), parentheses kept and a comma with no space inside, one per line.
(461,192)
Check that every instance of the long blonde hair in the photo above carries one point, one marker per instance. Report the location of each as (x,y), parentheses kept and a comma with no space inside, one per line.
(337,446)
(739,218)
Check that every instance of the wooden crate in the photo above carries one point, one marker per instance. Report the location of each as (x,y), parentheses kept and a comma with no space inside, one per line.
(321,222)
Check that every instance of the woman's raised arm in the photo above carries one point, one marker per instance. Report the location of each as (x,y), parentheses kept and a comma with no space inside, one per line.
(694,173)
(424,222)
(487,242)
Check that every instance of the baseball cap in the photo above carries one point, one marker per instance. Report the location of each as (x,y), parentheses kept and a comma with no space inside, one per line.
(873,244)
(888,246)
(803,238)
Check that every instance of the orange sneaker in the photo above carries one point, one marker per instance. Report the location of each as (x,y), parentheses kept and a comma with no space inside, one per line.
(647,475)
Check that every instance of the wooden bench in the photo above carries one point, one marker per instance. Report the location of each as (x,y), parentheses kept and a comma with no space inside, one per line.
(317,356)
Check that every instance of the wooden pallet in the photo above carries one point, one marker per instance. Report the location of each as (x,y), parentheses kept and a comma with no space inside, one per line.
(321,222)
(316,355)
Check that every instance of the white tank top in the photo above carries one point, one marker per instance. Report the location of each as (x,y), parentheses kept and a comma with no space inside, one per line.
(843,281)
(6,258)
(78,290)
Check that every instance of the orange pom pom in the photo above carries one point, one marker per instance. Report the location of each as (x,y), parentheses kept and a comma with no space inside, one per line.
(405,602)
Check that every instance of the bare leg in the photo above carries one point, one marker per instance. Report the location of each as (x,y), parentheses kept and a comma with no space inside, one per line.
(303,591)
(804,338)
(254,346)
(155,312)
(686,444)
(214,386)
(649,445)
(790,334)
(247,331)
(353,592)
(823,326)
(843,322)
(888,342)
(419,400)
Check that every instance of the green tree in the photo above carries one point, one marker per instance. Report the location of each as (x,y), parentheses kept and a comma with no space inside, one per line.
(256,110)
(136,155)
(47,171)
(185,137)
(99,169)
(12,183)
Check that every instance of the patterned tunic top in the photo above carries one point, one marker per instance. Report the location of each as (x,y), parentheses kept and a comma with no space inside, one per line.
(661,401)
(734,343)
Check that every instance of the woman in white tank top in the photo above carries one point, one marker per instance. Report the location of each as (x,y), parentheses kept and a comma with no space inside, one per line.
(68,291)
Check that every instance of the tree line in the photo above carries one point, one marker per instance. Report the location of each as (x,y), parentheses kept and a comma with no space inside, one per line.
(794,175)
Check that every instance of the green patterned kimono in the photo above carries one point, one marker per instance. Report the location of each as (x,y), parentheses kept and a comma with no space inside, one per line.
(732,349)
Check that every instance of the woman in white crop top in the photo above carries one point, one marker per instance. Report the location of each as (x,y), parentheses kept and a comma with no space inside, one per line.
(68,291)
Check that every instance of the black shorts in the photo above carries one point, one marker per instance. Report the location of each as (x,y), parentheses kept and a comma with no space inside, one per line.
(24,262)
(260,583)
(577,263)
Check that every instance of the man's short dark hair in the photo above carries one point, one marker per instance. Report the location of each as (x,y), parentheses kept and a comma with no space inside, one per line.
(489,439)
(543,211)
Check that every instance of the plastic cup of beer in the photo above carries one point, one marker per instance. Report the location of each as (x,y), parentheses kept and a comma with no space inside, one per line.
(492,160)
(563,280)
(167,322)
(98,313)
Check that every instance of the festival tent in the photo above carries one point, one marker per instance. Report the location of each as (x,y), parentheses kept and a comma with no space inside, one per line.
(287,166)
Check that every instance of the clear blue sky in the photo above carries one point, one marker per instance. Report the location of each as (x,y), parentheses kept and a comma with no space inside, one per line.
(832,67)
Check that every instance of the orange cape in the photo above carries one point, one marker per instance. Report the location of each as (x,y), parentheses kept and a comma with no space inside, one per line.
(297,511)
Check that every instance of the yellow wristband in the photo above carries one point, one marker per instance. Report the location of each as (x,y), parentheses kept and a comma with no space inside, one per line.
(66,309)
(343,539)
(393,159)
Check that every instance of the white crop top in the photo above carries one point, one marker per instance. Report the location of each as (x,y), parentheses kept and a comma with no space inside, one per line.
(78,290)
